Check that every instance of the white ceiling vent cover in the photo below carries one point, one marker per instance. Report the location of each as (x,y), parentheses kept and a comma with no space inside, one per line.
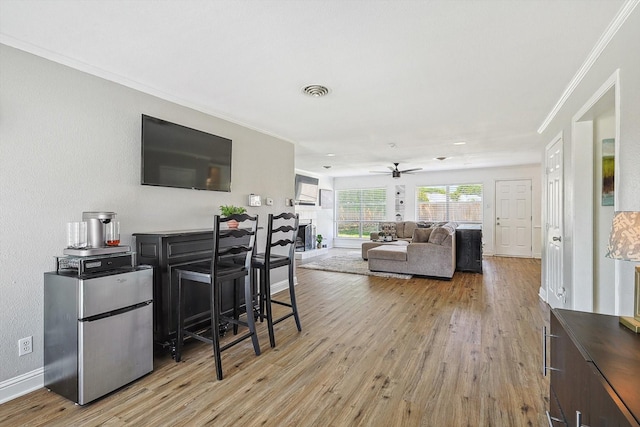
(315,90)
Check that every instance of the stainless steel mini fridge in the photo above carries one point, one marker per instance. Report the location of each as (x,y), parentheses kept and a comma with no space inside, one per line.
(98,331)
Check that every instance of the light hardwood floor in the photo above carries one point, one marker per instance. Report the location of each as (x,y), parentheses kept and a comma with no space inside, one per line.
(373,352)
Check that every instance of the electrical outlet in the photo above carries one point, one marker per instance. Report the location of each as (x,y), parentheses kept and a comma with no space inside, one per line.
(25,346)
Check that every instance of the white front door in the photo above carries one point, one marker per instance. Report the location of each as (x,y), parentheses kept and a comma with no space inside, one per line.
(556,292)
(513,218)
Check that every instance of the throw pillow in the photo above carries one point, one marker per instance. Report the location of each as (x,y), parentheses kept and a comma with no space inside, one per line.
(421,235)
(388,229)
(450,228)
(409,227)
(438,235)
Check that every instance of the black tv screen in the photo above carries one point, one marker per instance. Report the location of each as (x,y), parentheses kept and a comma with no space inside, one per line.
(306,190)
(181,157)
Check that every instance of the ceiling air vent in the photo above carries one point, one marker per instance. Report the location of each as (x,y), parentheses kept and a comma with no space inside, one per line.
(315,90)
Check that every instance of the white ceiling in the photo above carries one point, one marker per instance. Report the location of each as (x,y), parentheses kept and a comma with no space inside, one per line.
(419,74)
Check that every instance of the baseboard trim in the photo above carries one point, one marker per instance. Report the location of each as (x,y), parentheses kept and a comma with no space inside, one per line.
(21,385)
(281,285)
(34,380)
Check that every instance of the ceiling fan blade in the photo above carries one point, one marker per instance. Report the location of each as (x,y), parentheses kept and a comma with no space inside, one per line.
(378,171)
(411,170)
(391,168)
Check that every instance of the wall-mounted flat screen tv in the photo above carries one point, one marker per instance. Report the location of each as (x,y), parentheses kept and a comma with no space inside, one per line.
(177,156)
(306,190)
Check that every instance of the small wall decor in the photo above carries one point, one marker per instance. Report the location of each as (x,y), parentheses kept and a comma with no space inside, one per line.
(399,202)
(608,169)
(326,199)
(255,200)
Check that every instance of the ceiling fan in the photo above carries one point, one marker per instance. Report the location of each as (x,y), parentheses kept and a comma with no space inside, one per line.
(395,172)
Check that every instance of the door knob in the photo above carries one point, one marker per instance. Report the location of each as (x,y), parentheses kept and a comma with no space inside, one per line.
(556,239)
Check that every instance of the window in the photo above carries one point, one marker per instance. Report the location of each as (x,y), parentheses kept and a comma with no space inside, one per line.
(460,203)
(358,212)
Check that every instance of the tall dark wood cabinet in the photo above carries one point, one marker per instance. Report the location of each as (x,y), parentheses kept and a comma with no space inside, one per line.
(166,251)
(469,248)
(594,367)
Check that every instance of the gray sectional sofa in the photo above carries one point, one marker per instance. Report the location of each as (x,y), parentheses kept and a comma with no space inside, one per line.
(400,231)
(431,252)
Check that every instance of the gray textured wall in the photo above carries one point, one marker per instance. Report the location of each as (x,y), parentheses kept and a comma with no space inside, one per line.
(70,142)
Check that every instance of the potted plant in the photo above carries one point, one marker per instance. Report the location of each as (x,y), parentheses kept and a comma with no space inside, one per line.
(319,240)
(228,210)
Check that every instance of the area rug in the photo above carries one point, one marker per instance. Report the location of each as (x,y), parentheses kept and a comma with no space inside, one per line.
(349,262)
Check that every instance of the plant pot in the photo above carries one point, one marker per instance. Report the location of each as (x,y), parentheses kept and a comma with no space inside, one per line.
(232,223)
(319,246)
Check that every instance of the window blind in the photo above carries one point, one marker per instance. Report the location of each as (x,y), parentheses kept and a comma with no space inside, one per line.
(359,211)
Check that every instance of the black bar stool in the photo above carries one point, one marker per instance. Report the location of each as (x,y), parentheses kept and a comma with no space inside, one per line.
(231,261)
(282,232)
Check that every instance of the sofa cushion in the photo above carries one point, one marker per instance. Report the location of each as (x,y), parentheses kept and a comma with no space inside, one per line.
(438,234)
(392,253)
(421,235)
(366,246)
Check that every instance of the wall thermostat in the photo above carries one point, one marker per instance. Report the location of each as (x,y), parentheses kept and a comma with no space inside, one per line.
(254,200)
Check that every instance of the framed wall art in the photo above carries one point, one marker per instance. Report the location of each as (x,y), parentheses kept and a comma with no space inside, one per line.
(608,169)
(326,199)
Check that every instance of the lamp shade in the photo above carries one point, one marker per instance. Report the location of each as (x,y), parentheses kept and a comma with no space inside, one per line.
(624,241)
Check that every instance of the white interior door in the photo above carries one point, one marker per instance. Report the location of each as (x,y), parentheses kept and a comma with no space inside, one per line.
(556,292)
(513,218)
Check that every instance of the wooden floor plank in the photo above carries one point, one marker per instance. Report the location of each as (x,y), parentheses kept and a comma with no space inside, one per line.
(373,352)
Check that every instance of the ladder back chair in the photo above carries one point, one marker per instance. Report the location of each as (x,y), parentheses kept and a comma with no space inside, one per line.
(231,259)
(282,232)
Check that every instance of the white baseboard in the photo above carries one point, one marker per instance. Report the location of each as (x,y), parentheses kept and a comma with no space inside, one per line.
(282,285)
(311,253)
(21,385)
(34,380)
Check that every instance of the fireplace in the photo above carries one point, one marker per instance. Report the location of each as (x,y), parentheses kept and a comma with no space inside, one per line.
(306,237)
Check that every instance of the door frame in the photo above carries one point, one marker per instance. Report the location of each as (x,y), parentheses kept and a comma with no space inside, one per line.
(582,197)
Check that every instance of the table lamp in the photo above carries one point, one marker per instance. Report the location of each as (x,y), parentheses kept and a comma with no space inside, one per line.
(624,244)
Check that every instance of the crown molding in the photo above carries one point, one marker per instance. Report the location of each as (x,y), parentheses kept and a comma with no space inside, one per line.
(132,84)
(595,53)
